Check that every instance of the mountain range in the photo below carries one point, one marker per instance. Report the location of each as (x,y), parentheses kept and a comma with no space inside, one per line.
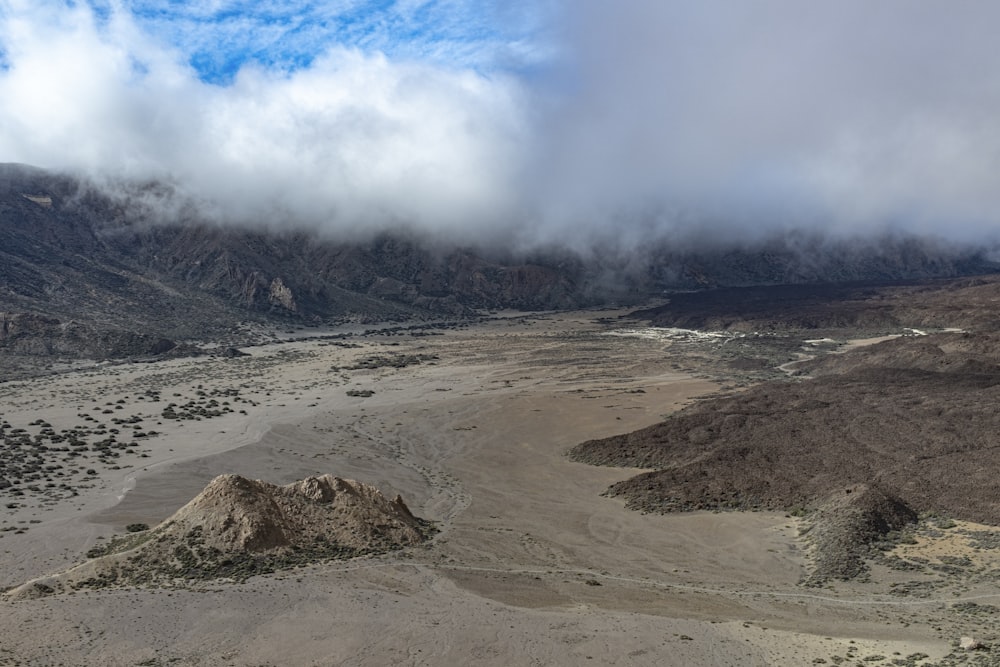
(89,272)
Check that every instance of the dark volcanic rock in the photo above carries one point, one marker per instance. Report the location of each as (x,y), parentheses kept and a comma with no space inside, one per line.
(775,307)
(962,303)
(970,354)
(28,334)
(844,527)
(927,435)
(914,418)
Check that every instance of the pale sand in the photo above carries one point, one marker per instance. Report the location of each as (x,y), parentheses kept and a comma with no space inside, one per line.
(475,441)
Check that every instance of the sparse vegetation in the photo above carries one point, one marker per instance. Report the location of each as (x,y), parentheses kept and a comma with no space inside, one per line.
(228,533)
(360,393)
(376,361)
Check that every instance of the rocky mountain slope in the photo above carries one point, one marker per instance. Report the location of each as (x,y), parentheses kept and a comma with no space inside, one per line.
(109,263)
(70,251)
(238,527)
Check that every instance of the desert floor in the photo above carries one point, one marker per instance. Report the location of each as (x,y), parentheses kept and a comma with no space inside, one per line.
(532,565)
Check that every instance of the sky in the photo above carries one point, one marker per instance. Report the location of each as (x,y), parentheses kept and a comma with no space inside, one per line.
(523,122)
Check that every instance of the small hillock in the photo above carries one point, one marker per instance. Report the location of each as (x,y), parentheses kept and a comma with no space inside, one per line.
(237,528)
(843,530)
(913,417)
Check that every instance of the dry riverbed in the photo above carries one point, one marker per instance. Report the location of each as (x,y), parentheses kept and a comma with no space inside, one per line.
(471,426)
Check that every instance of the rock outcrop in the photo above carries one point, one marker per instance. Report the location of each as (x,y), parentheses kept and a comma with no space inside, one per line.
(842,530)
(280,295)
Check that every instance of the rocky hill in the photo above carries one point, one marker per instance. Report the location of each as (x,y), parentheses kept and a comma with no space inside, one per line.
(911,420)
(238,528)
(927,436)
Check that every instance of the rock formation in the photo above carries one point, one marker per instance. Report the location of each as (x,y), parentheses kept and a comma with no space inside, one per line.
(237,527)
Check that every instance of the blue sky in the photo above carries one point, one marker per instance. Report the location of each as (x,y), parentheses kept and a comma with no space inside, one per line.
(219,37)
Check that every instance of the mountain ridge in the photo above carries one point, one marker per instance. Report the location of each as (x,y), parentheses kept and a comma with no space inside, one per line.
(111,265)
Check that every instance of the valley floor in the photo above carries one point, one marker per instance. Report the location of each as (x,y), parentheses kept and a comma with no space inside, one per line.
(471,426)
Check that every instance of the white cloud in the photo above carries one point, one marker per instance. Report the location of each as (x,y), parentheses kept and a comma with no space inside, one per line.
(743,116)
(620,120)
(353,140)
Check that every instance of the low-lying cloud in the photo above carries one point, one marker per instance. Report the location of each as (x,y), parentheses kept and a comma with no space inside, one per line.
(842,115)
(353,140)
(679,119)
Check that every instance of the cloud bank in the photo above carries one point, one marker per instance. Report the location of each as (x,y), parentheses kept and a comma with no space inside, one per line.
(844,115)
(528,122)
(354,140)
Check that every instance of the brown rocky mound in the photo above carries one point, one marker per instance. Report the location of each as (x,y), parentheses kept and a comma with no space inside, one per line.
(241,515)
(915,417)
(238,527)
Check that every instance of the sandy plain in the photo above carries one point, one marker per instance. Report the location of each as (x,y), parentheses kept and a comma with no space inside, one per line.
(532,566)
